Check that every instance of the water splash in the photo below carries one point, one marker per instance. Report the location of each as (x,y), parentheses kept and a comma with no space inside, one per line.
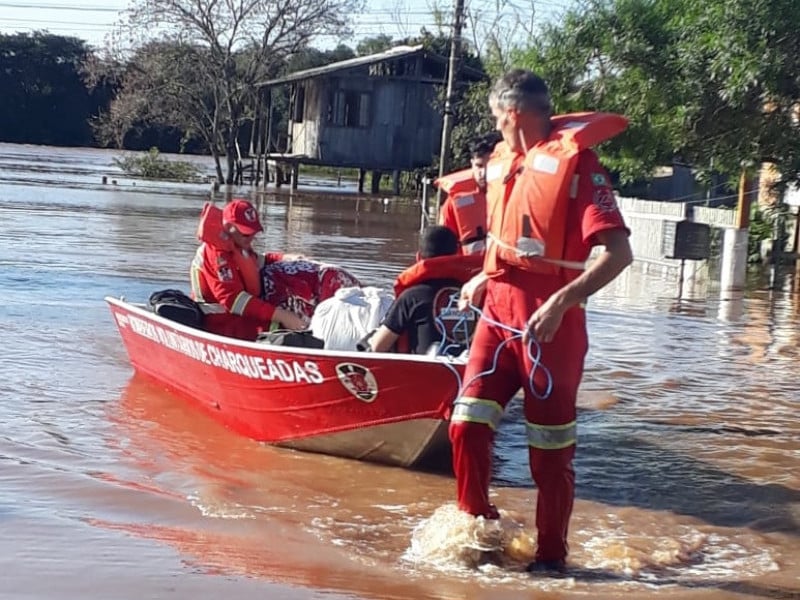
(452,538)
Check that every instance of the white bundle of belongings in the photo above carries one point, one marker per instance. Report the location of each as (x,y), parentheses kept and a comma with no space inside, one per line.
(349,316)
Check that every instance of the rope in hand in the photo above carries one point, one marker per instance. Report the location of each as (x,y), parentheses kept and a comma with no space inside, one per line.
(532,348)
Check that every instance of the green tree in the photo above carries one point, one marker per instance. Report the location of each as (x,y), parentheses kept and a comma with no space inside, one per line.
(713,82)
(179,98)
(374,45)
(214,55)
(43,98)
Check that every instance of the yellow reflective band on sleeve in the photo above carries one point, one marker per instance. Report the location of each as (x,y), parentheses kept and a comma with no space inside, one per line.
(240,303)
(212,308)
(194,275)
(552,437)
(476,410)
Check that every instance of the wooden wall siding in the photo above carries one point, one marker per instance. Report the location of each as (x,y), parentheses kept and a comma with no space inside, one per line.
(403,133)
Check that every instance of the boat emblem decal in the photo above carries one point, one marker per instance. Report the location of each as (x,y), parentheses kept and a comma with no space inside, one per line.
(358,380)
(122,320)
(456,326)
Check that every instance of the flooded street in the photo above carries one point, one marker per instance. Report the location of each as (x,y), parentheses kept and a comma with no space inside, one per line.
(688,464)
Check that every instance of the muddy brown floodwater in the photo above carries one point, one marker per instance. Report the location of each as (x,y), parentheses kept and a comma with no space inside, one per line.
(688,463)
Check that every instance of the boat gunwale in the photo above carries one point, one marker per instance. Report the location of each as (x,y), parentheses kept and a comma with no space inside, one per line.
(123,304)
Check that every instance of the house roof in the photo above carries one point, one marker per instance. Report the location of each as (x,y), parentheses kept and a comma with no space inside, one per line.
(360,61)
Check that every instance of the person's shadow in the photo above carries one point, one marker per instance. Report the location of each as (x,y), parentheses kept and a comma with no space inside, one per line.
(631,469)
(628,469)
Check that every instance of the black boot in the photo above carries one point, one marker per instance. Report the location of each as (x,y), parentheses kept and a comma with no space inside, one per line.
(548,568)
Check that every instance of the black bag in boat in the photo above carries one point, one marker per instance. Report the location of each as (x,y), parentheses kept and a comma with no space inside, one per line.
(287,337)
(177,306)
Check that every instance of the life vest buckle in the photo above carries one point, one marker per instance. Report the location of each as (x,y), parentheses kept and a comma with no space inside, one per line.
(529,247)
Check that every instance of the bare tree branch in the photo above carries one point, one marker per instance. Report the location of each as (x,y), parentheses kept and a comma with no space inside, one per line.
(196,64)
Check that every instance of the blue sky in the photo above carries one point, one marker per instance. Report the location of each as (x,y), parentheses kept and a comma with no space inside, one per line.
(92,20)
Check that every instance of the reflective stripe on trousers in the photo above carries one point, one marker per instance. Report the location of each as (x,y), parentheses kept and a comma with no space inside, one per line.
(551,437)
(477,410)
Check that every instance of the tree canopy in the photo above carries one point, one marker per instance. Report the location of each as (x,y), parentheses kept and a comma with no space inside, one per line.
(44,100)
(713,83)
(197,64)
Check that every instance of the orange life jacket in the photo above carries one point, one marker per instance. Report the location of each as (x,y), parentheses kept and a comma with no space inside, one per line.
(528,197)
(459,268)
(457,182)
(211,231)
(469,207)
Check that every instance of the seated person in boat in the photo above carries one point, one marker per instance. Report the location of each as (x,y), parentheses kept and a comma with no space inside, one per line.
(226,274)
(424,292)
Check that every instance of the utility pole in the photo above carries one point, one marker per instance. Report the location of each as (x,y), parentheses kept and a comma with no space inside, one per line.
(744,201)
(452,71)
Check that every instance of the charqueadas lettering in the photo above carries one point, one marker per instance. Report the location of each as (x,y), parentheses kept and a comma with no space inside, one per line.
(254,367)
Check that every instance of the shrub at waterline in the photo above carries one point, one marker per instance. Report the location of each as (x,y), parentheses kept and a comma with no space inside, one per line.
(152,166)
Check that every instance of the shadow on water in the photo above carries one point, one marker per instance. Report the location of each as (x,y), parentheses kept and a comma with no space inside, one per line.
(745,588)
(669,481)
(625,470)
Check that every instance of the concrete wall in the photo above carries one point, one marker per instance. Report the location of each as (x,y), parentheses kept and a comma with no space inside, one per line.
(646,219)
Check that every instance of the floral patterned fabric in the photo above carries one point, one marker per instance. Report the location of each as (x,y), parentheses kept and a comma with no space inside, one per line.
(299,285)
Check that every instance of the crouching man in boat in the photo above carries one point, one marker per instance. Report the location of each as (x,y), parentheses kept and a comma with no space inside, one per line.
(464,209)
(422,290)
(226,274)
(549,202)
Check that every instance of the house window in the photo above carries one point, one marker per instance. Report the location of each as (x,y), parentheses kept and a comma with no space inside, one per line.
(299,104)
(349,108)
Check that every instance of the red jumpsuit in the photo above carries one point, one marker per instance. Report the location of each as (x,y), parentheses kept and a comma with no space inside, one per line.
(233,282)
(511,298)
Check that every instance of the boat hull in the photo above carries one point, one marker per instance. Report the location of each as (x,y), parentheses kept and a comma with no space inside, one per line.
(419,443)
(385,408)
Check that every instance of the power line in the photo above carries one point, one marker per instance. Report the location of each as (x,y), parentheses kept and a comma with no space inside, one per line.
(56,23)
(62,7)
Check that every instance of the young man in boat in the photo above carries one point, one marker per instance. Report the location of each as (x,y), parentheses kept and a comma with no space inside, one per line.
(549,203)
(226,274)
(464,209)
(422,290)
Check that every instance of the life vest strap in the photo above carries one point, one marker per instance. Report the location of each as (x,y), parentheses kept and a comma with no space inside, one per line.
(566,264)
(473,246)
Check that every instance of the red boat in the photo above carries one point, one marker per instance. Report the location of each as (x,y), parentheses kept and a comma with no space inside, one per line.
(380,407)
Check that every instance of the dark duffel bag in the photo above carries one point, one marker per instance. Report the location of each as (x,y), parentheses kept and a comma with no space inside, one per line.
(295,339)
(177,306)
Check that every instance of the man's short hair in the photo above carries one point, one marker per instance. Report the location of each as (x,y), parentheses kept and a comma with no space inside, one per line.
(437,240)
(523,91)
(483,145)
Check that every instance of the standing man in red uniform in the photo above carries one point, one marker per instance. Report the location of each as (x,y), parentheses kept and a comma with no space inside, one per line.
(464,210)
(226,274)
(549,203)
